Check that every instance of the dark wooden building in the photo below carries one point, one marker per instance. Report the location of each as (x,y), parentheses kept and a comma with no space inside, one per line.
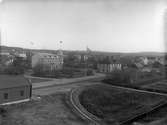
(14,89)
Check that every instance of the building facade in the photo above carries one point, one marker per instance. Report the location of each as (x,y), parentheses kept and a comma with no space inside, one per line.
(51,61)
(105,68)
(14,89)
(108,64)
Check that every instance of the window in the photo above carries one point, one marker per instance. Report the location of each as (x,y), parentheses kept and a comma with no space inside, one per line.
(5,95)
(21,93)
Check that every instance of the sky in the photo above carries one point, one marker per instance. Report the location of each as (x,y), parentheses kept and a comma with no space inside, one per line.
(102,25)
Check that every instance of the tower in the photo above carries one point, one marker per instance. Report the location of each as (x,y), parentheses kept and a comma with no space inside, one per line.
(0,44)
(165,40)
(165,28)
(60,54)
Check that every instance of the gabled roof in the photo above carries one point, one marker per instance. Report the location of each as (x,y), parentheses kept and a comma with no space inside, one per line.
(127,61)
(10,81)
(45,55)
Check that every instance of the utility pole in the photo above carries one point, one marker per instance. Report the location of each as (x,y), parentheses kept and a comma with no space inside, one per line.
(86,59)
(61,42)
(61,53)
(0,45)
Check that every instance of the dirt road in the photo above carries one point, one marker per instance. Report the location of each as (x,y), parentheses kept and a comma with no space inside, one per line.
(60,88)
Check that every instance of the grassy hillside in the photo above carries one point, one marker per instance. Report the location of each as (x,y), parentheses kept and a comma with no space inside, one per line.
(108,103)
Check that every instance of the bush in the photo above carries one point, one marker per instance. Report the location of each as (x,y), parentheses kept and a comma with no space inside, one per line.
(132,78)
(90,72)
(119,76)
(2,69)
(67,72)
(3,112)
(41,70)
(38,70)
(14,70)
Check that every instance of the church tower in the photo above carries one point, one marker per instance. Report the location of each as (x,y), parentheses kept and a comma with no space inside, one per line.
(60,55)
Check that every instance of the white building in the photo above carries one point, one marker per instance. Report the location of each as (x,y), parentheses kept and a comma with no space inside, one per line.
(22,55)
(5,53)
(109,67)
(143,60)
(54,61)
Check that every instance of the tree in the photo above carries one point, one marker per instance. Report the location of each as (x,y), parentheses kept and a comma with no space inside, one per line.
(41,70)
(122,76)
(28,59)
(156,65)
(17,67)
(13,70)
(89,72)
(70,60)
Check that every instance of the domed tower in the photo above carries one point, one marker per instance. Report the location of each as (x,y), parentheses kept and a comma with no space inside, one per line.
(61,56)
(60,52)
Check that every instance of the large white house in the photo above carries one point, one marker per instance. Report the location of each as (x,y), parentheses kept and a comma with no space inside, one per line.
(54,61)
(109,67)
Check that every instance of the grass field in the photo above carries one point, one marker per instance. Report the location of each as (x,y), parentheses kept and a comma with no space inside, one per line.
(17,78)
(50,110)
(119,104)
(159,114)
(160,86)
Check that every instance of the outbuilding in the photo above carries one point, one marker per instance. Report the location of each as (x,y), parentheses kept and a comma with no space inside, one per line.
(14,89)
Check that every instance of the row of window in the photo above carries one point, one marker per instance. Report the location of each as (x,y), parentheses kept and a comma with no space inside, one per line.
(6,95)
(58,62)
(53,57)
(52,60)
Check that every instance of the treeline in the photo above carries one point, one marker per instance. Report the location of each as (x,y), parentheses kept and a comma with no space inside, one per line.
(41,70)
(132,77)
(18,66)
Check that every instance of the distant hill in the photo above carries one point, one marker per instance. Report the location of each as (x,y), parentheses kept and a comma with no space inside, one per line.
(19,49)
(146,54)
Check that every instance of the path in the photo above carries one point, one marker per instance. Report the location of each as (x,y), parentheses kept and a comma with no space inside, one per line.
(65,81)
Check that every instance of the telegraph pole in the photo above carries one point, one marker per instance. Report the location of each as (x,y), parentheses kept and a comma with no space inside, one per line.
(0,45)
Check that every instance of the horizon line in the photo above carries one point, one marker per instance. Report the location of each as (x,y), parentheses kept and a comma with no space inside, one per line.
(90,49)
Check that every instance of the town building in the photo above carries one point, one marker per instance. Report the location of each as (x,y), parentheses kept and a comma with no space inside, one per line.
(151,60)
(146,69)
(139,65)
(4,53)
(109,67)
(161,60)
(6,59)
(14,89)
(22,55)
(144,60)
(108,64)
(53,61)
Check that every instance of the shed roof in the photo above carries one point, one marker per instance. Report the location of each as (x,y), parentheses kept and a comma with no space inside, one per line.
(10,81)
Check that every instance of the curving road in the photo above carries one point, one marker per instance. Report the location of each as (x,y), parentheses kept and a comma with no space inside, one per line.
(63,85)
(65,88)
(59,88)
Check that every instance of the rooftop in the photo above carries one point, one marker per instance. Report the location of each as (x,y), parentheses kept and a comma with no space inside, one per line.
(46,55)
(10,81)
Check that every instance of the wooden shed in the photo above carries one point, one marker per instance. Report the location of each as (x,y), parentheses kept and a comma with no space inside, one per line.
(14,89)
